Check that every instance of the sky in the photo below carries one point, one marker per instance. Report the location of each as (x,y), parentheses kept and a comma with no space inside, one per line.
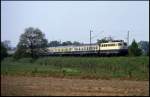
(73,20)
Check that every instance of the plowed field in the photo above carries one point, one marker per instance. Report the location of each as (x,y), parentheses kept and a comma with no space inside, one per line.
(20,85)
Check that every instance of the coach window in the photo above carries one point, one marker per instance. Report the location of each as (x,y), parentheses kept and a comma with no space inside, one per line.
(84,48)
(91,48)
(125,44)
(96,47)
(70,49)
(119,44)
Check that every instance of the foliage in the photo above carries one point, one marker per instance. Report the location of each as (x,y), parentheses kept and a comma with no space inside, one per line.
(3,51)
(76,43)
(96,67)
(54,43)
(102,41)
(134,50)
(144,46)
(66,43)
(7,45)
(32,44)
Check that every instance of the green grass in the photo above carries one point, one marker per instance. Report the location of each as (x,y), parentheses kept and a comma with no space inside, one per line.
(136,68)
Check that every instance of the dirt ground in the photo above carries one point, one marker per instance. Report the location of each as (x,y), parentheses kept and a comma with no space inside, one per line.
(19,85)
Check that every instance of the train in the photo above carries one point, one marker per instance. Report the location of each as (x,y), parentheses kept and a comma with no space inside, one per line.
(110,48)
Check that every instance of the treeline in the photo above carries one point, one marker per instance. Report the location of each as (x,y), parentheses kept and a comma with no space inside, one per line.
(33,43)
(59,43)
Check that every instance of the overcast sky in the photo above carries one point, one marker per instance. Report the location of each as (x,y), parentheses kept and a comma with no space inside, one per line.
(73,20)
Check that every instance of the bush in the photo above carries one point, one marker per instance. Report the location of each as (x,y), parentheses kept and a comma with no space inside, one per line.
(3,51)
(134,50)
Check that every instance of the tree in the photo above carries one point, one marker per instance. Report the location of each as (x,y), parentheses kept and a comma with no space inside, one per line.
(32,43)
(3,51)
(144,46)
(76,43)
(66,43)
(7,45)
(54,43)
(134,50)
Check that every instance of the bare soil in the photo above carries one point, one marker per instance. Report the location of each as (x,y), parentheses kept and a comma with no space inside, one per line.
(43,86)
